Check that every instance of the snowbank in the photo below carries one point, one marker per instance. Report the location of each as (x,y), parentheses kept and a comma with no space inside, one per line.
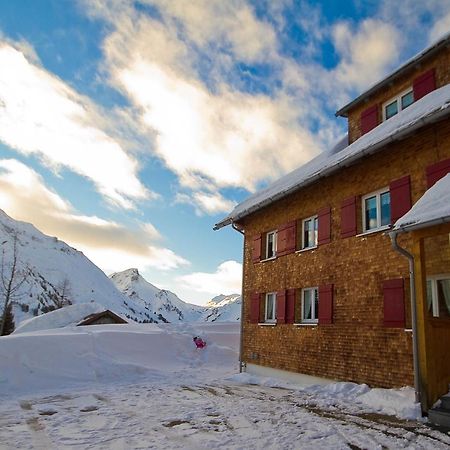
(351,396)
(69,357)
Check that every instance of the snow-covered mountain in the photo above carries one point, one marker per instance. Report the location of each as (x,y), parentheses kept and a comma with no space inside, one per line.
(56,271)
(162,305)
(52,267)
(223,308)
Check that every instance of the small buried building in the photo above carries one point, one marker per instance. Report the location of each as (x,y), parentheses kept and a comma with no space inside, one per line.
(325,291)
(101,318)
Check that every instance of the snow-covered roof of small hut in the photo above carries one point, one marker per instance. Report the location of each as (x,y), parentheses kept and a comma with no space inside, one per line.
(64,317)
(432,208)
(428,109)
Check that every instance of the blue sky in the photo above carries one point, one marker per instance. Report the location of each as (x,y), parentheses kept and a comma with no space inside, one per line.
(128,129)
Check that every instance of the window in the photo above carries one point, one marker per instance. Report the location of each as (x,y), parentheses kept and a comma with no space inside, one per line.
(376,208)
(271,245)
(310,305)
(397,104)
(438,295)
(309,232)
(269,307)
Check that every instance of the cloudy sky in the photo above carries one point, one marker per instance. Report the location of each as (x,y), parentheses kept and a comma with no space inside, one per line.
(128,128)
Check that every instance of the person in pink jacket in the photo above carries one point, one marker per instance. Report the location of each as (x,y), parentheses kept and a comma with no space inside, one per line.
(199,342)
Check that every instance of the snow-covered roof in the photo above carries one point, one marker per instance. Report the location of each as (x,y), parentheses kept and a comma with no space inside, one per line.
(428,109)
(411,63)
(432,208)
(64,317)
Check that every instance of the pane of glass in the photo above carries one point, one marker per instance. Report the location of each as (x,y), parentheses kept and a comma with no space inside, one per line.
(407,99)
(444,297)
(307,305)
(311,234)
(316,304)
(316,228)
(429,295)
(371,213)
(385,208)
(269,307)
(306,233)
(270,251)
(391,109)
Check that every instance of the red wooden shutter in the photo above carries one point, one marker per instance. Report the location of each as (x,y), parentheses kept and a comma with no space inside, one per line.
(326,304)
(400,192)
(324,235)
(286,238)
(348,217)
(290,305)
(394,303)
(369,119)
(256,248)
(281,240)
(424,84)
(281,307)
(254,307)
(437,171)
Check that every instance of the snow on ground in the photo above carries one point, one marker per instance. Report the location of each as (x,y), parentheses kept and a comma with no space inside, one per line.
(146,386)
(75,356)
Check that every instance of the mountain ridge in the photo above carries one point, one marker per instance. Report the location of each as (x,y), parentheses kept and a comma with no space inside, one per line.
(55,269)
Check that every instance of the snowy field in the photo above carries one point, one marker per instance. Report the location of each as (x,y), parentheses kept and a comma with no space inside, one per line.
(146,386)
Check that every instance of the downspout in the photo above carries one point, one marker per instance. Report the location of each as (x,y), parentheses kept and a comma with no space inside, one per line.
(241,336)
(402,251)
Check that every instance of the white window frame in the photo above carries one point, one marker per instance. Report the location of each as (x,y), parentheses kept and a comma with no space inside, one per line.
(314,313)
(434,292)
(398,99)
(274,307)
(376,194)
(266,256)
(312,218)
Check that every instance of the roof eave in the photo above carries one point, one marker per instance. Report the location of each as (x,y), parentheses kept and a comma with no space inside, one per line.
(418,226)
(222,224)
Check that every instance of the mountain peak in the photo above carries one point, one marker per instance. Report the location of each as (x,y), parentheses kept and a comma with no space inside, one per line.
(128,275)
(163,305)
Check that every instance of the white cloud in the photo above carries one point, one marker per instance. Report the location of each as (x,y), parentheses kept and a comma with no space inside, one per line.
(151,231)
(230,24)
(112,246)
(205,202)
(228,139)
(112,259)
(366,53)
(213,203)
(227,279)
(441,27)
(40,114)
(209,133)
